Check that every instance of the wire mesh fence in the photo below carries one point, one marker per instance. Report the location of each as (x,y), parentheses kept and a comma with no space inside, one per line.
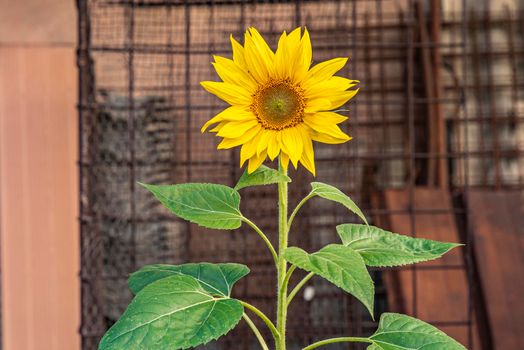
(440,108)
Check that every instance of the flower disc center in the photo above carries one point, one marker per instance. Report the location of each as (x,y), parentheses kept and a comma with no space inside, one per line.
(279,105)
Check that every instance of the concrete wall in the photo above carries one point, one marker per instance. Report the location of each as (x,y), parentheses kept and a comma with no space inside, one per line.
(38,176)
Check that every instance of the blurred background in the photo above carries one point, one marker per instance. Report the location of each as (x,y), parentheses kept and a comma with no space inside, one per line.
(96,95)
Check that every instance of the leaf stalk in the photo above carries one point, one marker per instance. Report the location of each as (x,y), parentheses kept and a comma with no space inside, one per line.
(297,208)
(298,287)
(255,331)
(264,318)
(264,238)
(338,340)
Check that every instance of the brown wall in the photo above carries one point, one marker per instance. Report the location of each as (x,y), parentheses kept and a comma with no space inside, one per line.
(38,176)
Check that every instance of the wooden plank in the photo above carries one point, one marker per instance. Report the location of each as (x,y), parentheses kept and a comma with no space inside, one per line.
(30,22)
(497,226)
(39,199)
(440,294)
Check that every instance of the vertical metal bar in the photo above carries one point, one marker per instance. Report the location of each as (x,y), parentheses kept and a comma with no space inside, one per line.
(465,115)
(130,46)
(382,82)
(510,31)
(440,123)
(515,81)
(355,322)
(429,87)
(298,13)
(411,137)
(234,154)
(83,64)
(171,92)
(477,85)
(492,100)
(187,98)
(243,237)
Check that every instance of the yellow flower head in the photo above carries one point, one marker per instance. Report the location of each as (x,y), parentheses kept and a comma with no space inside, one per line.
(278,104)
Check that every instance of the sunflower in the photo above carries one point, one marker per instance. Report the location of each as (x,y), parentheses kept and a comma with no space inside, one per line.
(279,103)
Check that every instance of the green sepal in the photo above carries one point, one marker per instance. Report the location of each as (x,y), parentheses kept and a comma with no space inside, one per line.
(208,205)
(340,265)
(382,248)
(262,176)
(170,314)
(216,279)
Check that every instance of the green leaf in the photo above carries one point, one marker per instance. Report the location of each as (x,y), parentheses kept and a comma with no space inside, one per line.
(341,266)
(216,279)
(379,247)
(172,313)
(261,176)
(209,205)
(334,194)
(401,332)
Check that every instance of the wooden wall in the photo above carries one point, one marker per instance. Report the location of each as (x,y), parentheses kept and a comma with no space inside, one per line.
(38,176)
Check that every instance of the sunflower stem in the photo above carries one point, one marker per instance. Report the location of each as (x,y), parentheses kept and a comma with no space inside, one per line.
(282,264)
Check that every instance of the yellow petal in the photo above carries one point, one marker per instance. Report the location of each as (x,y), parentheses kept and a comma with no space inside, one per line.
(248,150)
(244,154)
(326,69)
(292,53)
(232,94)
(231,73)
(263,48)
(233,142)
(238,53)
(325,138)
(273,147)
(233,113)
(218,127)
(317,104)
(280,59)
(293,144)
(263,141)
(328,117)
(216,119)
(303,60)
(259,61)
(338,100)
(308,156)
(328,87)
(321,129)
(255,162)
(236,129)
(328,133)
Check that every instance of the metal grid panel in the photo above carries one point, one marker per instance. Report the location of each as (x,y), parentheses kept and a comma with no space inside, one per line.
(141,108)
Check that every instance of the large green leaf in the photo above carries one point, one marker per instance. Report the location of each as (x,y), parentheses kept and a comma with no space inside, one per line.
(216,279)
(383,248)
(401,332)
(208,205)
(172,313)
(341,266)
(262,176)
(334,194)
